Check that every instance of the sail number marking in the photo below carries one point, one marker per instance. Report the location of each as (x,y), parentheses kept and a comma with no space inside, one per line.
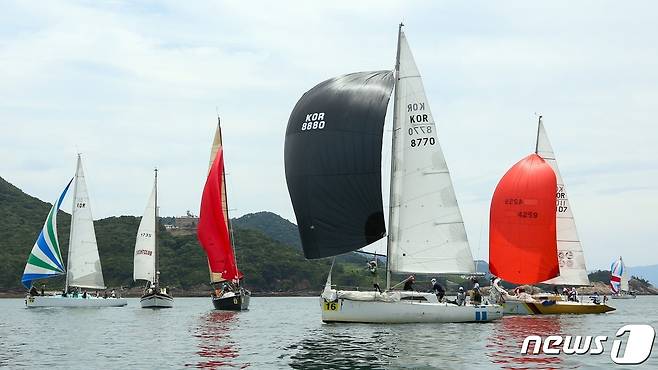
(331,306)
(80,205)
(528,214)
(561,199)
(423,141)
(314,121)
(146,235)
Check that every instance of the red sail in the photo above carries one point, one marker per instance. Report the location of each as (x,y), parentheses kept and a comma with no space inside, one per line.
(212,232)
(522,231)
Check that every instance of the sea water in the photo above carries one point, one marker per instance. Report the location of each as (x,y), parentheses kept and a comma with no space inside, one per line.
(279,333)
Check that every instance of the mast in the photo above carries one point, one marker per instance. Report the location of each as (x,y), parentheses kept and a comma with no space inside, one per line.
(155,233)
(392,190)
(68,254)
(537,141)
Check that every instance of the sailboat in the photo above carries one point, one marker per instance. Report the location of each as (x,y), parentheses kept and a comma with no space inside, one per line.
(533,237)
(619,281)
(146,259)
(84,265)
(333,171)
(215,235)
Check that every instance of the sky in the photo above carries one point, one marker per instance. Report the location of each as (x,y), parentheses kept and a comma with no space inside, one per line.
(137,84)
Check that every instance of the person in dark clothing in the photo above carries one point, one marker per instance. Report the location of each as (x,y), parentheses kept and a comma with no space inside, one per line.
(43,289)
(438,289)
(33,291)
(409,283)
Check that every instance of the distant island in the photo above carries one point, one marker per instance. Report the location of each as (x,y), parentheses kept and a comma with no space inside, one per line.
(268,250)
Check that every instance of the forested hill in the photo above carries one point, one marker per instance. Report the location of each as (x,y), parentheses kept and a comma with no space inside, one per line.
(271,263)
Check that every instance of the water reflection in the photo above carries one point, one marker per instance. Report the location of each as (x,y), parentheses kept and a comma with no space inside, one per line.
(333,347)
(216,347)
(504,348)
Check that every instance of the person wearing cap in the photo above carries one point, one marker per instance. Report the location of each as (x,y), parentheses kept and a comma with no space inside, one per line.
(476,298)
(409,283)
(461,297)
(437,289)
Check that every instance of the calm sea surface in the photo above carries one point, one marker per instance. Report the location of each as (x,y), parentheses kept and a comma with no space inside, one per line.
(287,333)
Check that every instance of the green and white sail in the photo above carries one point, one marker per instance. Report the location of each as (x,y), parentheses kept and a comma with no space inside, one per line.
(45,260)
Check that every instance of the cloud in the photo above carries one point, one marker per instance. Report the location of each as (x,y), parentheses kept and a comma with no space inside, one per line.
(134,85)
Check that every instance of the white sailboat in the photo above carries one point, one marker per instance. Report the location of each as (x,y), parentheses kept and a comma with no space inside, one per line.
(426,230)
(146,256)
(570,256)
(619,281)
(84,265)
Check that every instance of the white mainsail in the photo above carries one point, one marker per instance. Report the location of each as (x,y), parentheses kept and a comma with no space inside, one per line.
(84,264)
(426,230)
(144,260)
(570,252)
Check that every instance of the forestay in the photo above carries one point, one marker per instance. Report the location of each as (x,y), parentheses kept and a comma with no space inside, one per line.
(84,264)
(145,244)
(427,233)
(45,260)
(570,252)
(333,162)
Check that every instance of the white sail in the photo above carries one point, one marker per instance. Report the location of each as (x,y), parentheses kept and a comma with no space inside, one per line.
(144,258)
(427,233)
(570,252)
(624,277)
(84,264)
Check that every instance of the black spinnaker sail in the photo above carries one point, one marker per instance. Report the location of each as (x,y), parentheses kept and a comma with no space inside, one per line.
(333,152)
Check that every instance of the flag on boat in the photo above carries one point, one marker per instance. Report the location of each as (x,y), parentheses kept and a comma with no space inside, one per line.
(45,260)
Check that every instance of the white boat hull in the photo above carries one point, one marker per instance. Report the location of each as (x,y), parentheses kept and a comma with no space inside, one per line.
(623,296)
(400,312)
(157,301)
(59,301)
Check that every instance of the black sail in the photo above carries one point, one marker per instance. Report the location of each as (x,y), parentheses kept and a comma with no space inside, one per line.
(333,153)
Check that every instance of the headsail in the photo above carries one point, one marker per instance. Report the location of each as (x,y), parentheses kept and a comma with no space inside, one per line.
(144,258)
(84,264)
(522,236)
(332,155)
(45,260)
(426,230)
(618,277)
(212,231)
(570,252)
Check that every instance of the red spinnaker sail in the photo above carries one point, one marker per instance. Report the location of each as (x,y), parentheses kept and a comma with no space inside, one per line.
(522,231)
(212,231)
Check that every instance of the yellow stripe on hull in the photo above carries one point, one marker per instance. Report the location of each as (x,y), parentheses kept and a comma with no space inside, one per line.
(557,308)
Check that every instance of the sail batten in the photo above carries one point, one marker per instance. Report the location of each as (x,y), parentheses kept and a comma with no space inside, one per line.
(427,233)
(333,162)
(45,259)
(573,270)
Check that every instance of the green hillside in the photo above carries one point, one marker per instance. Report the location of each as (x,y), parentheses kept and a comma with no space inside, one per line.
(269,265)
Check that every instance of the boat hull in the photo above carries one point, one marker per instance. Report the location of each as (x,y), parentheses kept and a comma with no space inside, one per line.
(402,312)
(232,302)
(512,307)
(157,300)
(623,296)
(59,301)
